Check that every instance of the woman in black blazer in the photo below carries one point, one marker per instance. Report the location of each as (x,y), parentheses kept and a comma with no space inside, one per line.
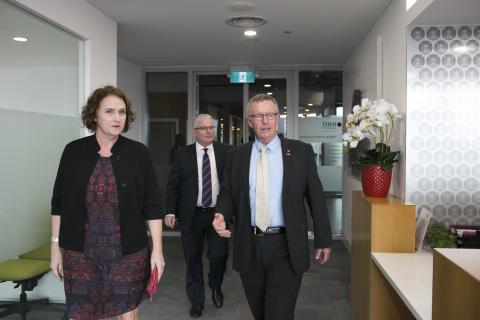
(105,190)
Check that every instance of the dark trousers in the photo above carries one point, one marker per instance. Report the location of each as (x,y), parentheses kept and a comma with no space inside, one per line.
(217,253)
(271,285)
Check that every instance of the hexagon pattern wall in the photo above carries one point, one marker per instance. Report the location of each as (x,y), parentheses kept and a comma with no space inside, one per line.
(443,124)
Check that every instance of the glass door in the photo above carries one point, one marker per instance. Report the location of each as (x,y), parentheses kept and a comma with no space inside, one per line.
(279,85)
(222,100)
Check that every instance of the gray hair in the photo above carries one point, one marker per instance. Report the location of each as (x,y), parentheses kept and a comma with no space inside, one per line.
(201,116)
(259,98)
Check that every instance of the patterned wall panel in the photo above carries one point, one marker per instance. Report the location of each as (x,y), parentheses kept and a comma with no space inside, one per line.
(443,124)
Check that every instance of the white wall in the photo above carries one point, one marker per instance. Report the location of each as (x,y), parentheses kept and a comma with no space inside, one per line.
(130,81)
(360,73)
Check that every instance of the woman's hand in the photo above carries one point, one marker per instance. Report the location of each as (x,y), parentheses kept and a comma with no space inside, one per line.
(56,263)
(158,260)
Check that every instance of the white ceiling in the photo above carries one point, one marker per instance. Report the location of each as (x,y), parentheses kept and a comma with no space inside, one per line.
(194,32)
(450,12)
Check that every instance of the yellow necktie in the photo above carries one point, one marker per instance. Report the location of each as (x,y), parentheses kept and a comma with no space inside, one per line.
(262,215)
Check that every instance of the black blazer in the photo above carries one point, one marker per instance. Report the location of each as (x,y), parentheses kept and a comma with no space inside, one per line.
(137,187)
(300,183)
(182,187)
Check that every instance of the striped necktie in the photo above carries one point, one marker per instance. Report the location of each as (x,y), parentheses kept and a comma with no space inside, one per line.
(262,215)
(206,180)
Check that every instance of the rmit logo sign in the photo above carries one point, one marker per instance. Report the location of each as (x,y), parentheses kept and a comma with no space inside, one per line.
(331,124)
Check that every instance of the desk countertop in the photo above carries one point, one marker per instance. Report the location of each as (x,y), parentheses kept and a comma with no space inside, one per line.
(466,259)
(410,275)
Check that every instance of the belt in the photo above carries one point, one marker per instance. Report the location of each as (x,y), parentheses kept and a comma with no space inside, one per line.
(205,209)
(271,230)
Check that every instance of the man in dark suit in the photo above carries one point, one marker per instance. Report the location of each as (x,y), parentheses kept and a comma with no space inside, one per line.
(265,185)
(192,192)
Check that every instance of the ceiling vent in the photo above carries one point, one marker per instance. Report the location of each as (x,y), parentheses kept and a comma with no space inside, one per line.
(246,22)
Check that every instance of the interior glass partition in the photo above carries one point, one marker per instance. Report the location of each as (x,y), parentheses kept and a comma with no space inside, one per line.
(41,91)
(320,118)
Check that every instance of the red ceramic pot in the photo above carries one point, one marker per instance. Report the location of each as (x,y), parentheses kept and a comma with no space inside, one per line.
(375,181)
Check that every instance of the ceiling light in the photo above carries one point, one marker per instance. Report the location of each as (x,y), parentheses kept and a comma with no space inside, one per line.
(310,104)
(20,39)
(250,33)
(306,110)
(246,21)
(267,85)
(270,93)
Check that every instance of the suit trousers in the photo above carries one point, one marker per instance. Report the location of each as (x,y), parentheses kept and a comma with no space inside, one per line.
(217,254)
(271,285)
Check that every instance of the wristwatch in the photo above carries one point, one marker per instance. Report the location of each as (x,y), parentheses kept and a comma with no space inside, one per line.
(54,239)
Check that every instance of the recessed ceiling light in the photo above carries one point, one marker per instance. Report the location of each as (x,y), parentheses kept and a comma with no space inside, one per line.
(246,21)
(20,39)
(270,93)
(250,33)
(306,110)
(310,104)
(267,85)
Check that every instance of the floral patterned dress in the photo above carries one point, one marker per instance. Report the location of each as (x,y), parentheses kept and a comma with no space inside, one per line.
(101,282)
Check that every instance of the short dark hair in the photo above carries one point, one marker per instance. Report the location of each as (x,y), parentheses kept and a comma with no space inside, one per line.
(259,98)
(89,111)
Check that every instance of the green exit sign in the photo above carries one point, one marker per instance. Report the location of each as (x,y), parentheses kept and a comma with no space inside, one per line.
(242,77)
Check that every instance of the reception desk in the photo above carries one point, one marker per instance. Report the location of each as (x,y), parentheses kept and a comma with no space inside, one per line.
(378,225)
(425,286)
(456,284)
(390,281)
(409,275)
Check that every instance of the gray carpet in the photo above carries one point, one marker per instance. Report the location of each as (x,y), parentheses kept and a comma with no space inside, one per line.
(324,293)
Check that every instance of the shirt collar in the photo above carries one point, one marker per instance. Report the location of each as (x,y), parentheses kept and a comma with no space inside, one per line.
(272,145)
(200,147)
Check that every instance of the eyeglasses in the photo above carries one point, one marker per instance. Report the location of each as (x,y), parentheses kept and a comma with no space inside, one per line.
(205,129)
(259,117)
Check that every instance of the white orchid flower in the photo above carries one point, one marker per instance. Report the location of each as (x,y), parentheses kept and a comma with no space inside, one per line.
(365,102)
(356,109)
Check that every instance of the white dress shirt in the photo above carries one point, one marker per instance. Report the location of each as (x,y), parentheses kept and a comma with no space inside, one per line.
(213,172)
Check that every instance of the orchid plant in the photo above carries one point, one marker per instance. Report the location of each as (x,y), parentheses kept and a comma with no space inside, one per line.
(373,120)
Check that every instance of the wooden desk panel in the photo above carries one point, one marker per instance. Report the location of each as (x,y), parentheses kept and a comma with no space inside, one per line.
(380,225)
(456,284)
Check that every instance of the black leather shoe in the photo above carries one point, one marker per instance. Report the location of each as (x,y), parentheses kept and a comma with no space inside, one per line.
(196,310)
(217,297)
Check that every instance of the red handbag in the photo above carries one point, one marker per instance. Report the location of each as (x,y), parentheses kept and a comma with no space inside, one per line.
(152,284)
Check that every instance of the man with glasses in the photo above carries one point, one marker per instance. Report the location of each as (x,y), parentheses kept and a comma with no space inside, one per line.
(192,192)
(265,185)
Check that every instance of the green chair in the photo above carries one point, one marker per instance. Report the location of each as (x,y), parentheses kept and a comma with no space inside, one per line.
(25,273)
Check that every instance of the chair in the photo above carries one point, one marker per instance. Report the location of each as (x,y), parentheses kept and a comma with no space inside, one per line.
(25,272)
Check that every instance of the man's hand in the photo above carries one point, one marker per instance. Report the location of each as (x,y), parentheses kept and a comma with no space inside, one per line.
(170,221)
(220,226)
(323,255)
